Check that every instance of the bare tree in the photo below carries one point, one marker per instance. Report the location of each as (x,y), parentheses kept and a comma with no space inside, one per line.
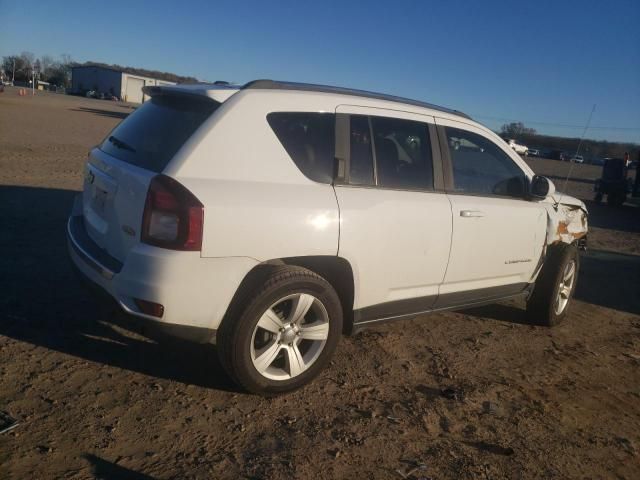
(515,130)
(28,61)
(28,58)
(46,62)
(66,62)
(10,64)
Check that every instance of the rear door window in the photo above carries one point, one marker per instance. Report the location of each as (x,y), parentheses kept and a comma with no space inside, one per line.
(403,154)
(152,135)
(309,139)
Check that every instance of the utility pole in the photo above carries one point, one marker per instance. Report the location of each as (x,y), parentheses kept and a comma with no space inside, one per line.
(35,72)
(636,184)
(13,73)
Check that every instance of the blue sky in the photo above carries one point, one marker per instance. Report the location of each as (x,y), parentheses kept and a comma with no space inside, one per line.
(535,61)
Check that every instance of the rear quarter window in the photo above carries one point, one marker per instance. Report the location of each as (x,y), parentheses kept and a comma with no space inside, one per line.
(152,135)
(309,139)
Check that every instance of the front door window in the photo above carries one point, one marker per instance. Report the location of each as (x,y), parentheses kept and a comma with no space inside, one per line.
(480,167)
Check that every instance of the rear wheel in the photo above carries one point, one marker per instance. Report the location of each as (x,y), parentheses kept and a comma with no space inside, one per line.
(555,286)
(285,333)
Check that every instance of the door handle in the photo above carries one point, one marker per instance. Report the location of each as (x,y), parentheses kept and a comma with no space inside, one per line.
(471,213)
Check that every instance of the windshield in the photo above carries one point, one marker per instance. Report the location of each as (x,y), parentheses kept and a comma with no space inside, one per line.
(151,136)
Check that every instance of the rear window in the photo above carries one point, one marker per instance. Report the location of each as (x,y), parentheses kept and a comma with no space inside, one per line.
(151,136)
(309,139)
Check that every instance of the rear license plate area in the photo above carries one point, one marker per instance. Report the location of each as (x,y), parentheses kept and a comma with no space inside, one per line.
(99,200)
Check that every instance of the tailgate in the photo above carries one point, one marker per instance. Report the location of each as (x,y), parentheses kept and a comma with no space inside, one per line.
(119,171)
(113,202)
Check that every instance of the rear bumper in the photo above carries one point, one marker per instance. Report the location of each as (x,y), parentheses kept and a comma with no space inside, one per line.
(97,259)
(194,291)
(148,327)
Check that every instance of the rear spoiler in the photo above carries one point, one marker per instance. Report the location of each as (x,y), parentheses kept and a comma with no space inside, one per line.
(217,93)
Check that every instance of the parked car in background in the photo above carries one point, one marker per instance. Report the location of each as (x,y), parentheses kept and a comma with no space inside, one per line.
(91,94)
(533,152)
(105,96)
(577,159)
(516,147)
(271,218)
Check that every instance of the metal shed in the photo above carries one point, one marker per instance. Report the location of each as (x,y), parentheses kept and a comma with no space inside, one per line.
(124,85)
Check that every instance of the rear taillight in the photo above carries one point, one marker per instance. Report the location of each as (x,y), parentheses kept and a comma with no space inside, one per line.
(173,217)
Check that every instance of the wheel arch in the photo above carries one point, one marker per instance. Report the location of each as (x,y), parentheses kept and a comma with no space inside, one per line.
(334,269)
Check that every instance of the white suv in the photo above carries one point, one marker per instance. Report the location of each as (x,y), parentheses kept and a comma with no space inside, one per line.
(516,147)
(270,218)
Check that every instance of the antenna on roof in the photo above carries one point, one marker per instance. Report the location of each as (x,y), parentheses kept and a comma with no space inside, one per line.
(573,159)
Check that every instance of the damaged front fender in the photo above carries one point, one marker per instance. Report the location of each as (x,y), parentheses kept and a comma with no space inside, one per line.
(567,222)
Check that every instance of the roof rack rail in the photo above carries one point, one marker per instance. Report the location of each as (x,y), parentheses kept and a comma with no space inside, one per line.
(309,87)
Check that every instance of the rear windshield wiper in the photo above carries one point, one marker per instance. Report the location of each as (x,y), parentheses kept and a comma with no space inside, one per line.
(120,144)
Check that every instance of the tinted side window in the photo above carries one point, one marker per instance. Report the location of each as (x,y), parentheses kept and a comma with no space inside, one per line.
(151,136)
(361,169)
(481,167)
(403,153)
(309,139)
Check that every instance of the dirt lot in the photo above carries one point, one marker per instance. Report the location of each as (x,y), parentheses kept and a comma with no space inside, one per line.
(473,394)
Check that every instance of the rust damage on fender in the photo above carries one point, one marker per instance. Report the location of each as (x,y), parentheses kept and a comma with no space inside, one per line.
(567,223)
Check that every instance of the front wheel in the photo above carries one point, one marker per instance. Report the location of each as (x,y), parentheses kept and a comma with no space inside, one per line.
(285,333)
(554,288)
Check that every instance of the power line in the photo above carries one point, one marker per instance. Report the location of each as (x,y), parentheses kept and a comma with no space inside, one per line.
(564,125)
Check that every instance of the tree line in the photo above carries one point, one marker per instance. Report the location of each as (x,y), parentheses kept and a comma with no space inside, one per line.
(23,67)
(590,149)
(57,71)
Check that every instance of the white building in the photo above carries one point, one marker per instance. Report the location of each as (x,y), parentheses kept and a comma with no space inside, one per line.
(126,86)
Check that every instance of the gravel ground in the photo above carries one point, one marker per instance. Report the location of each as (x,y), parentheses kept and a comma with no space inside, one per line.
(471,394)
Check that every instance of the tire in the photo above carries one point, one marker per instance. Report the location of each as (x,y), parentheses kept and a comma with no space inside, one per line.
(267,354)
(545,306)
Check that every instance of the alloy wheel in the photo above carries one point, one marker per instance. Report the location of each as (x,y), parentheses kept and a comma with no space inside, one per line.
(566,285)
(289,336)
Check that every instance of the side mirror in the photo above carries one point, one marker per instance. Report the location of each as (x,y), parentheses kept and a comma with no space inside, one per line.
(541,187)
